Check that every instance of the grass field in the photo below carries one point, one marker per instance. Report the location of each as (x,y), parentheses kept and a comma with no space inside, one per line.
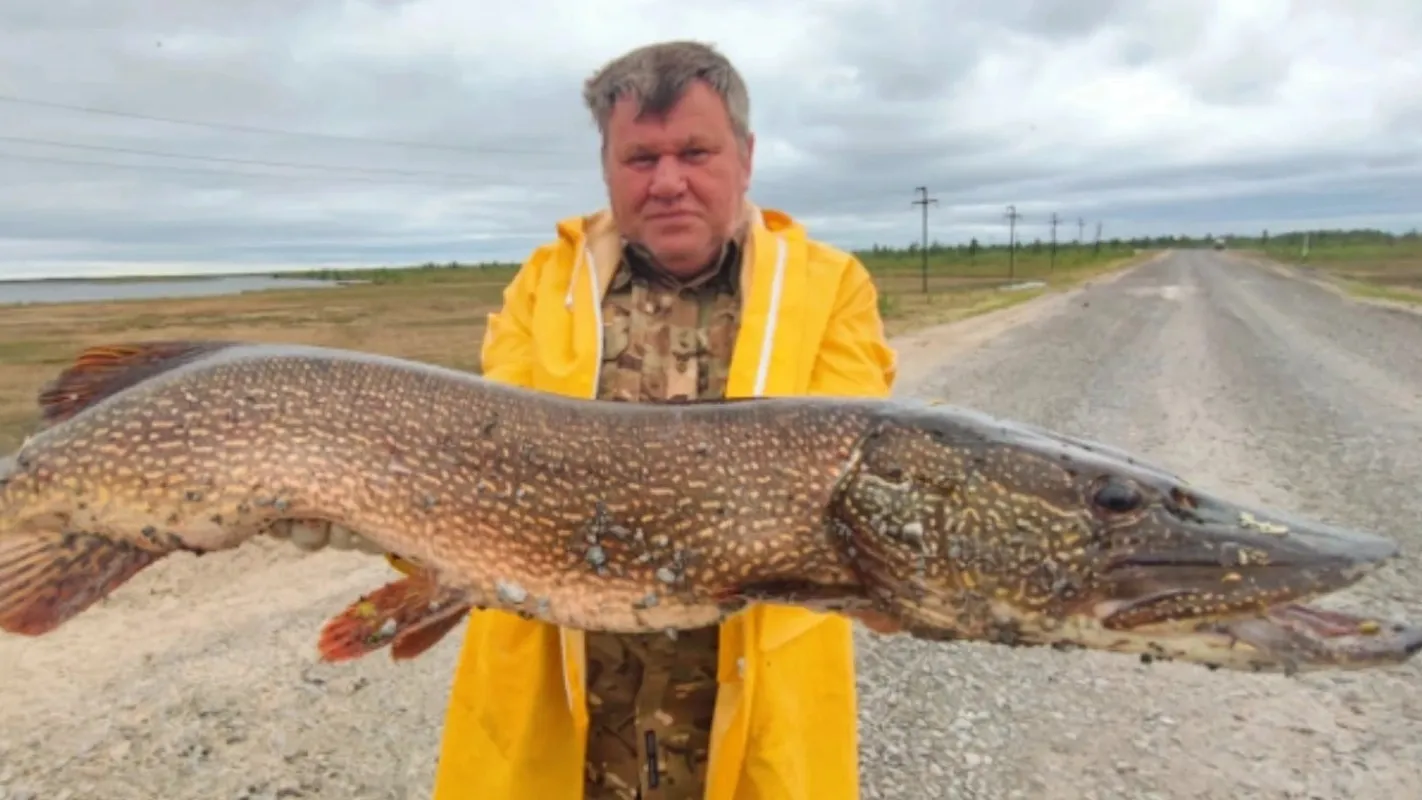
(1364,263)
(437,314)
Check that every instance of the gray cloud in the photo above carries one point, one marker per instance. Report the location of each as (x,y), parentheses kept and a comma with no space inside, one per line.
(439,130)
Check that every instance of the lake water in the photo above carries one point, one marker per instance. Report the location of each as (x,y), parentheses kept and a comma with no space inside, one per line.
(95,291)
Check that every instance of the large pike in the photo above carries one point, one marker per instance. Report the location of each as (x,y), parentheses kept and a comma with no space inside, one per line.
(611,516)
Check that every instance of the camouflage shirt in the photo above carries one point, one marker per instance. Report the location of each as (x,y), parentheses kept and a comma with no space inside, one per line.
(651,697)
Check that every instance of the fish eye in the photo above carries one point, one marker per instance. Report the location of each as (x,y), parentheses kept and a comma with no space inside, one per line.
(1116,496)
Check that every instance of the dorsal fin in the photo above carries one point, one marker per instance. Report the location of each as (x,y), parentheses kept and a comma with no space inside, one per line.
(105,370)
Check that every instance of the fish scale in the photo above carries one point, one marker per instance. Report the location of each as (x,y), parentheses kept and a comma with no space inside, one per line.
(944,522)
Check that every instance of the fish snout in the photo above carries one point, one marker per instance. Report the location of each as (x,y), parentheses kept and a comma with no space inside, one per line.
(1216,559)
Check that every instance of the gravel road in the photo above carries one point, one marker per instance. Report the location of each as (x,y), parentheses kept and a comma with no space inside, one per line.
(1266,388)
(197,679)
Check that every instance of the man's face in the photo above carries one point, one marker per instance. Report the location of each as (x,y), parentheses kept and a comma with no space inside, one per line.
(677,183)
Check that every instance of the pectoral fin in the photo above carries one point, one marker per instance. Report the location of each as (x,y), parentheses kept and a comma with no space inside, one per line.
(411,615)
(47,578)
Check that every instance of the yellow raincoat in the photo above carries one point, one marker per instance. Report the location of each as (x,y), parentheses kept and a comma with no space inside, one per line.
(785,722)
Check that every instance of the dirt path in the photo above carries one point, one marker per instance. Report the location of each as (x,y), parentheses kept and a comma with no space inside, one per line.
(1231,374)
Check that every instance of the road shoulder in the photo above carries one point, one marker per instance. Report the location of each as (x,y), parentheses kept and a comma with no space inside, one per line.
(1323,281)
(923,350)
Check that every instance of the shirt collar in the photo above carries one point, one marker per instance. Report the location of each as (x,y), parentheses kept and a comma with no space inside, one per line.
(725,268)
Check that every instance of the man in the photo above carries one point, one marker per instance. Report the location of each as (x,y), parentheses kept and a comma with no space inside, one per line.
(680,290)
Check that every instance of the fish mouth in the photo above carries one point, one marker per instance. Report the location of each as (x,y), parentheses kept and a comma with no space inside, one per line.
(1288,638)
(1226,586)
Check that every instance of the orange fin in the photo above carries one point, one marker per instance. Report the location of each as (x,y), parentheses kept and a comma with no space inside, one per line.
(48,578)
(103,371)
(411,614)
(415,640)
(402,564)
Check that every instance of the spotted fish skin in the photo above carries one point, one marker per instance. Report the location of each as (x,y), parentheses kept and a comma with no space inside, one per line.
(638,518)
(585,514)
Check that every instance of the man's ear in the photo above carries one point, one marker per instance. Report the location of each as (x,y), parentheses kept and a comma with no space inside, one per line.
(748,158)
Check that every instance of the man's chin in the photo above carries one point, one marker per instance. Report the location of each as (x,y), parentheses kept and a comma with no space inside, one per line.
(681,249)
(675,231)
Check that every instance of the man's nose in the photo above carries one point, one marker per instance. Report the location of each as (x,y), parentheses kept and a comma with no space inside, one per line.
(668,179)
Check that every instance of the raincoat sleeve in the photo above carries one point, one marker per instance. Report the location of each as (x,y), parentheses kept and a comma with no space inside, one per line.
(507,355)
(854,358)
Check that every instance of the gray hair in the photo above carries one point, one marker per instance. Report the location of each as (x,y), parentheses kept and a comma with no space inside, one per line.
(657,76)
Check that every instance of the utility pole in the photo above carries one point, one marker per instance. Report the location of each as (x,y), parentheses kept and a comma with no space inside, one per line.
(1097,247)
(1080,230)
(1012,217)
(924,200)
(1052,265)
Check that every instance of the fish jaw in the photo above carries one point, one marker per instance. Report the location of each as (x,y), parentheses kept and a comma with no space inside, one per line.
(1287,638)
(966,527)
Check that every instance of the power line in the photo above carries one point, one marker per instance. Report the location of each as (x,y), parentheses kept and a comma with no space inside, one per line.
(246,161)
(515,181)
(520,181)
(227,126)
(357,174)
(924,200)
(1012,217)
(229,173)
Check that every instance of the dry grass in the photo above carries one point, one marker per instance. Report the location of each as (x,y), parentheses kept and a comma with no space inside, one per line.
(1380,270)
(905,307)
(437,318)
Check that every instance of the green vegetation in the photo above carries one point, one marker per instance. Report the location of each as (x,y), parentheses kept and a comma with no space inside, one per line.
(451,272)
(1033,259)
(964,261)
(1365,263)
(433,313)
(964,280)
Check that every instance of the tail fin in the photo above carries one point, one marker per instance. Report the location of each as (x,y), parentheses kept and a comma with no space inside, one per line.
(103,371)
(48,578)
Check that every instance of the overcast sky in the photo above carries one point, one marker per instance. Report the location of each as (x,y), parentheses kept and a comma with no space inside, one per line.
(446,129)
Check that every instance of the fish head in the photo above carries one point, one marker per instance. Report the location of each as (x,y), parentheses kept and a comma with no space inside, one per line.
(968,527)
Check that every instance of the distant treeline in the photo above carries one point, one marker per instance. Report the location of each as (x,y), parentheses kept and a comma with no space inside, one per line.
(426,272)
(1364,246)
(1068,253)
(1339,237)
(1361,236)
(1324,240)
